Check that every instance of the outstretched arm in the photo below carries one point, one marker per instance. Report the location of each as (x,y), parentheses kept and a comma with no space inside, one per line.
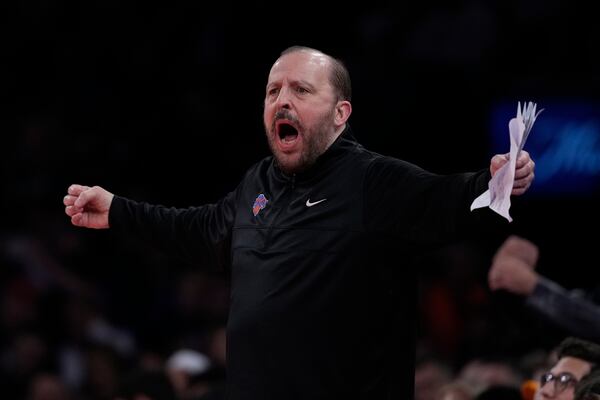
(88,206)
(194,233)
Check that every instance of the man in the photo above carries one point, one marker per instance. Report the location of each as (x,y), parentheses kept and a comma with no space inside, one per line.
(314,237)
(513,269)
(575,359)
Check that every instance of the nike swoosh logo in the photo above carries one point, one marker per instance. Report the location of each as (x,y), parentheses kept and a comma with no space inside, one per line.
(309,204)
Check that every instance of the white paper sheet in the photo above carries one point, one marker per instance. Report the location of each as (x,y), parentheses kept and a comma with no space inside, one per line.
(497,197)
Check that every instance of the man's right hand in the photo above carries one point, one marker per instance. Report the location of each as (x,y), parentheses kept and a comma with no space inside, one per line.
(88,206)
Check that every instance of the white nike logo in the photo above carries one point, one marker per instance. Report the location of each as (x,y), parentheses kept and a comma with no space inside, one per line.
(309,204)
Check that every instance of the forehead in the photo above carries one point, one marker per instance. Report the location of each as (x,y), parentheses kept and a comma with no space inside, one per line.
(575,366)
(312,67)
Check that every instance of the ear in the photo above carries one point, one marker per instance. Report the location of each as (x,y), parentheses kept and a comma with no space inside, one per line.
(343,109)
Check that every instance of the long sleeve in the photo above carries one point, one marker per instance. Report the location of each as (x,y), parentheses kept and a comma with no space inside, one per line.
(196,234)
(420,206)
(567,309)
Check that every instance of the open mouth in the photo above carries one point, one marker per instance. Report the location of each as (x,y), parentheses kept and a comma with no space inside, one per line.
(286,132)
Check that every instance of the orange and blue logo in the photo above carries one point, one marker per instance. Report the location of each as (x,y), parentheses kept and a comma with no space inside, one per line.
(260,203)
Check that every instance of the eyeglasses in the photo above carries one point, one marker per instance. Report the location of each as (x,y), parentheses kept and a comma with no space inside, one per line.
(561,381)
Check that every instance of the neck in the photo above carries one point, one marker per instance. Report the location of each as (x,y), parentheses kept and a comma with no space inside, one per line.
(335,135)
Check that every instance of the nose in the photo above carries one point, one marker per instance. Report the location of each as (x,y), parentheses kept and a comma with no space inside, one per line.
(546,391)
(284,99)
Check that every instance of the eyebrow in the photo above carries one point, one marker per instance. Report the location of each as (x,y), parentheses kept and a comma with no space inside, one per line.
(294,83)
(303,83)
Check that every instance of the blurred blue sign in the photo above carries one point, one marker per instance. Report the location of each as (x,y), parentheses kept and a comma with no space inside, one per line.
(564,143)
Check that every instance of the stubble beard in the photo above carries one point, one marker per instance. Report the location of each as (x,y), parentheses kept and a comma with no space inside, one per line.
(315,142)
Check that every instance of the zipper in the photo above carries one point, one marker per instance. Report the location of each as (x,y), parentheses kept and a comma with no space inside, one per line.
(285,199)
(293,182)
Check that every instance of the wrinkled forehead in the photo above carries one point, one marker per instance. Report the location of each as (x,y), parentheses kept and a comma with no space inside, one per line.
(304,65)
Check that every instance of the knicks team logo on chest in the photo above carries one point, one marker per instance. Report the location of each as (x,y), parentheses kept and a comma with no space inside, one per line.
(260,203)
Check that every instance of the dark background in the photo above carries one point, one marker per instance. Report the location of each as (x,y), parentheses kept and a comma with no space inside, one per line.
(165,105)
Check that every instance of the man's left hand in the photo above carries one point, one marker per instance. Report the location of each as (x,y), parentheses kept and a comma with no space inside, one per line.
(524,171)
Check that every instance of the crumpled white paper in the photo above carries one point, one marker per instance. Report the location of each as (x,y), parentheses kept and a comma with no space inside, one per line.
(497,197)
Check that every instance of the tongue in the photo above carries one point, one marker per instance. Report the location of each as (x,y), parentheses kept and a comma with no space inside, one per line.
(290,137)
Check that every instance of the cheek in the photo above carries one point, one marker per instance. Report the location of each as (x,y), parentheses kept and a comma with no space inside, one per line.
(309,117)
(267,116)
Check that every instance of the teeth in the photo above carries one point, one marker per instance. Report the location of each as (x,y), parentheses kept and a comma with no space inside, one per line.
(289,139)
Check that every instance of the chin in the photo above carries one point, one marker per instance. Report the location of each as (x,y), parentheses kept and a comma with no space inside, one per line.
(289,165)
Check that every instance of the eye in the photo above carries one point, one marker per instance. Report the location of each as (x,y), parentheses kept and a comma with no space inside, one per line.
(566,378)
(272,91)
(301,90)
(547,377)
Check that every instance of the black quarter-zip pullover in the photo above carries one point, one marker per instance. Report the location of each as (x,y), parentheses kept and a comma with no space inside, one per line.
(322,297)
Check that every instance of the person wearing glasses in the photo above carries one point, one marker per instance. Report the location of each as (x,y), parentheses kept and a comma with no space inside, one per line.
(576,358)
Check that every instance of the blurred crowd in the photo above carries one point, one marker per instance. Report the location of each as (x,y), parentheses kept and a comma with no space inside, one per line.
(86,316)
(97,89)
(80,326)
(539,341)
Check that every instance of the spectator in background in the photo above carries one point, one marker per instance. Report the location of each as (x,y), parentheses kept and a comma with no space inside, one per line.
(513,269)
(430,376)
(480,375)
(182,366)
(575,359)
(454,391)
